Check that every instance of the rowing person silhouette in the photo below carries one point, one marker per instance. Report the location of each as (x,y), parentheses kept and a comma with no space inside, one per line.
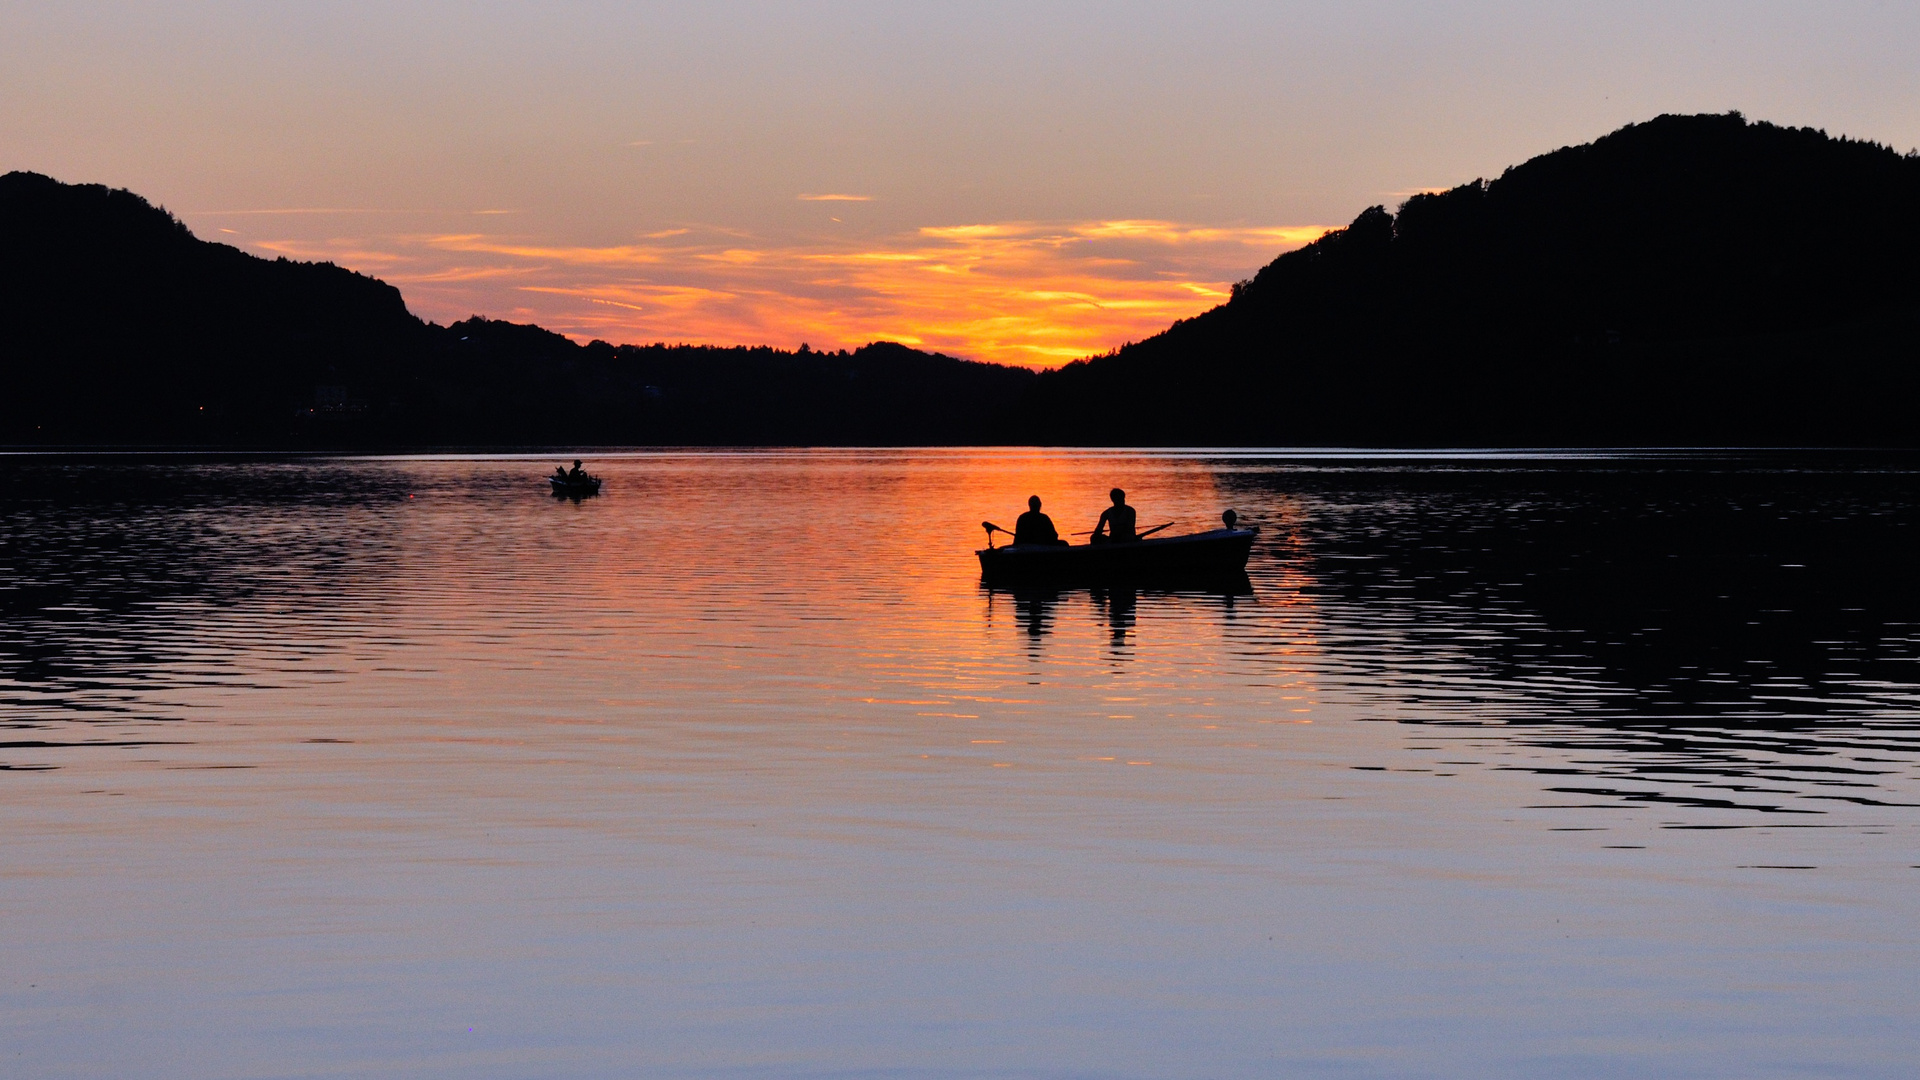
(1035,527)
(1116,522)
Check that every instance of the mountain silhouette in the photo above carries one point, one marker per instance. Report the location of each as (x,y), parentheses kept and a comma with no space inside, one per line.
(1691,280)
(1688,281)
(118,326)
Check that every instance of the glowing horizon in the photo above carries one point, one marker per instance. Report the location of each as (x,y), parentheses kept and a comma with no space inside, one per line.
(1030,294)
(1026,183)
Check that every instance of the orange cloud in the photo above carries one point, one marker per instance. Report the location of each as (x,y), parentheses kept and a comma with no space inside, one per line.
(1037,294)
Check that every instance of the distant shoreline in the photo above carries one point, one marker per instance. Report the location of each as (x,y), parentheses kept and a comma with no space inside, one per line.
(1268,453)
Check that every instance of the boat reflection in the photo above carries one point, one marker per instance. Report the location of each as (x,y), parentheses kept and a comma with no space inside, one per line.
(1036,608)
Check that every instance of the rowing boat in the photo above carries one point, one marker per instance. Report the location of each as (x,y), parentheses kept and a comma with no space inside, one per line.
(1197,557)
(575,489)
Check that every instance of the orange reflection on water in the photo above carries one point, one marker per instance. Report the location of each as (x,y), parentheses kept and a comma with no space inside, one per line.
(338,761)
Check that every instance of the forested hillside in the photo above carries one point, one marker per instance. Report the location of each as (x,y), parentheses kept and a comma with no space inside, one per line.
(1691,280)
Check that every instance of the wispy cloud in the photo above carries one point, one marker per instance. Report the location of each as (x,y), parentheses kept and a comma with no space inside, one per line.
(836,198)
(1021,292)
(297,210)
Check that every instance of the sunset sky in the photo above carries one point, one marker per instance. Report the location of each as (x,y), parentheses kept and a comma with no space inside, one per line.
(1020,182)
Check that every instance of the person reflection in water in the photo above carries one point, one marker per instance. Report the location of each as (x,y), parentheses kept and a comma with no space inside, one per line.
(1035,527)
(1117,605)
(1116,521)
(1036,612)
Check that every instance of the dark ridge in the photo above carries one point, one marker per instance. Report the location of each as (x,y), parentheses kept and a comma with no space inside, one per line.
(1689,281)
(118,326)
(1693,280)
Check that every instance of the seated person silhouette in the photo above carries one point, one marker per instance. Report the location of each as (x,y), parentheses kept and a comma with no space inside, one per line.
(1116,521)
(576,474)
(559,474)
(1035,527)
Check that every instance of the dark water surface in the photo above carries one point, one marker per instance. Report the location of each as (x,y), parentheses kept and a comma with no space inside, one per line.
(1503,766)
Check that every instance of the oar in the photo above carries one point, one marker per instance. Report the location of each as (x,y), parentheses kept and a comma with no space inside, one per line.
(1136,536)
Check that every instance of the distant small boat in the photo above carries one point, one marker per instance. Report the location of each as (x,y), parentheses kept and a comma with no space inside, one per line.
(1196,557)
(575,489)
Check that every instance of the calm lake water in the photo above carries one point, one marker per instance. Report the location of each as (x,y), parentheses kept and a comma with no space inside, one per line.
(1503,766)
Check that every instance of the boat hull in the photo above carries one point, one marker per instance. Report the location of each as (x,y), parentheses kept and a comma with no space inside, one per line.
(1220,555)
(575,489)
